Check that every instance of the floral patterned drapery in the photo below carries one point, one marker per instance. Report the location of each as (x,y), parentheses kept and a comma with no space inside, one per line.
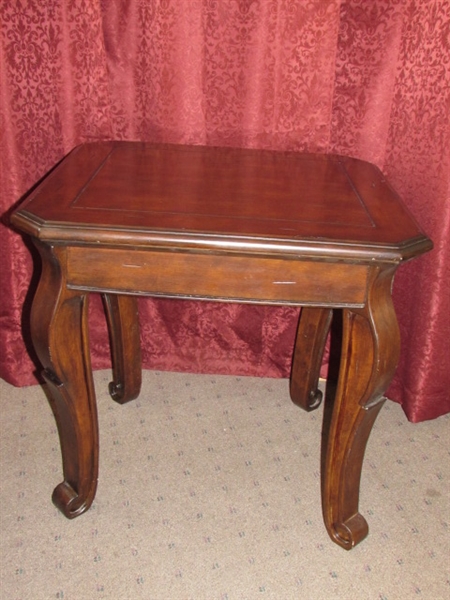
(367,79)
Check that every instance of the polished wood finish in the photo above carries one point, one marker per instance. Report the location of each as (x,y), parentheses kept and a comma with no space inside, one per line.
(269,280)
(370,352)
(312,332)
(59,327)
(123,324)
(126,219)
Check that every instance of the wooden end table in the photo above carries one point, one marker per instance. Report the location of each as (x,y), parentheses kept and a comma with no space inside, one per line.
(317,231)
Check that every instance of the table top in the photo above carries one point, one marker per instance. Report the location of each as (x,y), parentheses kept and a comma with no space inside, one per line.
(224,198)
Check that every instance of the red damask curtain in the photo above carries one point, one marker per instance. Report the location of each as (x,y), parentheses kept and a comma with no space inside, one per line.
(367,79)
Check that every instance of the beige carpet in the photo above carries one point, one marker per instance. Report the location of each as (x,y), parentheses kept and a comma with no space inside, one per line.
(209,489)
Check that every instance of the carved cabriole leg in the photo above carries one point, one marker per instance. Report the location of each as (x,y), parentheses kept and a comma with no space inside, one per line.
(60,335)
(123,322)
(370,352)
(312,332)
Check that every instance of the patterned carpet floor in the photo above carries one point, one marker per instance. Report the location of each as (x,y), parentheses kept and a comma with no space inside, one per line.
(209,489)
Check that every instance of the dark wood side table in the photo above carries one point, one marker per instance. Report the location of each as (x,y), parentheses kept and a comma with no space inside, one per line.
(128,219)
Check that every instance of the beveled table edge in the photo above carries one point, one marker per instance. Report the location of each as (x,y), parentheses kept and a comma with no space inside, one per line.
(305,248)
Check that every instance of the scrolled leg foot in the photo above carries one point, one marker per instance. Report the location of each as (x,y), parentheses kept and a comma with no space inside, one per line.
(116,392)
(67,500)
(59,327)
(351,532)
(314,399)
(370,351)
(123,324)
(312,333)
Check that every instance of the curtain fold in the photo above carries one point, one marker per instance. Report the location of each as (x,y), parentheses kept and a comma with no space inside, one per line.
(370,80)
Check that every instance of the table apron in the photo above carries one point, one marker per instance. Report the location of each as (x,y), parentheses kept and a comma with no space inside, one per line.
(217,276)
